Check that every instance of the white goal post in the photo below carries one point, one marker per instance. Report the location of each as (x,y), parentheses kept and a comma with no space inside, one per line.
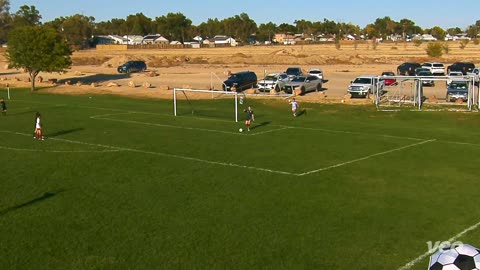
(181,93)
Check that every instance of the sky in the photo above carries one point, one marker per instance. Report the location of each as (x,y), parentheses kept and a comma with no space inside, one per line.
(425,13)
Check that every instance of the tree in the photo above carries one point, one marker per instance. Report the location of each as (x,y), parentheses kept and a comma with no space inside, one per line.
(5,19)
(174,26)
(27,15)
(77,30)
(37,49)
(438,32)
(266,31)
(139,24)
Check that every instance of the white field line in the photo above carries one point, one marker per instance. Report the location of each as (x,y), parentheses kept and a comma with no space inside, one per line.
(104,117)
(454,238)
(268,131)
(360,133)
(168,126)
(227,121)
(227,164)
(364,158)
(56,151)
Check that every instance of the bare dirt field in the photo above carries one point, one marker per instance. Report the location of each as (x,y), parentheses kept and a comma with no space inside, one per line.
(206,68)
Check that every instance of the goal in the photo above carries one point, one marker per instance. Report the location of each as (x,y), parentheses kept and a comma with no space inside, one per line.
(428,93)
(214,104)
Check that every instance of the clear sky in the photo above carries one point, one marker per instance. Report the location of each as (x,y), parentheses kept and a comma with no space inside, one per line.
(426,13)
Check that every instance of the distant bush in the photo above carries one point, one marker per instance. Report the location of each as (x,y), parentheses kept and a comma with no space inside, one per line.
(446,48)
(435,49)
(417,42)
(476,41)
(374,44)
(394,48)
(464,43)
(337,44)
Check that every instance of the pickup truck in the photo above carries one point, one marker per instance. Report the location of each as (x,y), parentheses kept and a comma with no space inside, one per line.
(363,86)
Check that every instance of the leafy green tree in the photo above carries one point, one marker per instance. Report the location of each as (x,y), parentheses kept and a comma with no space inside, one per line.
(27,15)
(174,26)
(454,31)
(37,49)
(210,28)
(438,32)
(77,30)
(286,28)
(266,31)
(139,24)
(5,19)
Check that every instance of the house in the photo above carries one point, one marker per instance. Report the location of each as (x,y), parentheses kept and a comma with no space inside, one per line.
(221,39)
(154,39)
(284,38)
(428,37)
(175,42)
(134,40)
(102,40)
(118,39)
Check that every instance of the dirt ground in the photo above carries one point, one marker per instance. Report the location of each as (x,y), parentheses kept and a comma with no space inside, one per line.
(93,70)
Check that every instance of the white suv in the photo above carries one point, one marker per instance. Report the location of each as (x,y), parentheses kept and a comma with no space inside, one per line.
(437,69)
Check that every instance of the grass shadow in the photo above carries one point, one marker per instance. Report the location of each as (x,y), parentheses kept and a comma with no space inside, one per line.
(261,125)
(45,196)
(97,78)
(302,112)
(63,132)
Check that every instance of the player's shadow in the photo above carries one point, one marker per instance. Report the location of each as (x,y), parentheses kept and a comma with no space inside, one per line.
(302,112)
(45,196)
(261,125)
(63,132)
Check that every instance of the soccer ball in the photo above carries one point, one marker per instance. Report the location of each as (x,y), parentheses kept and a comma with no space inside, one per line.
(240,129)
(456,257)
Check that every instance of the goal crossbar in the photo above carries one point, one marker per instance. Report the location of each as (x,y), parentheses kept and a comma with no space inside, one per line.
(213,92)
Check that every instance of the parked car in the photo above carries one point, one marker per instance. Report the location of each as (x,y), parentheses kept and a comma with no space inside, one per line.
(476,75)
(457,90)
(317,72)
(305,83)
(426,81)
(389,81)
(464,67)
(132,66)
(273,81)
(437,69)
(407,68)
(292,72)
(363,86)
(241,81)
(420,69)
(452,76)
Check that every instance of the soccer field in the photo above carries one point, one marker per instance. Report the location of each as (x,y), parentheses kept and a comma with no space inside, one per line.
(123,184)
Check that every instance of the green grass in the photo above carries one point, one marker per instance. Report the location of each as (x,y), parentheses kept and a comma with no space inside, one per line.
(122,184)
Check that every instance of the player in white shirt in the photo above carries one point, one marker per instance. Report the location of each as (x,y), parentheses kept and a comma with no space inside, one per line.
(294,107)
(38,127)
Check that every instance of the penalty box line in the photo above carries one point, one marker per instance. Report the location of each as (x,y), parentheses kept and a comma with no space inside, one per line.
(105,117)
(226,164)
(366,157)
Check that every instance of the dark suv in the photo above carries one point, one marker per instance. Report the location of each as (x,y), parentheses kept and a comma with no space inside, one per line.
(408,68)
(132,66)
(241,81)
(464,67)
(293,72)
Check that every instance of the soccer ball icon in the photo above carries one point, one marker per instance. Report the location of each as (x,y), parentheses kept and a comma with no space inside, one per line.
(240,129)
(455,257)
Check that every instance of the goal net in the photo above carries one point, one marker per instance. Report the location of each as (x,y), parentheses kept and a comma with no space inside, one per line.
(459,93)
(214,104)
